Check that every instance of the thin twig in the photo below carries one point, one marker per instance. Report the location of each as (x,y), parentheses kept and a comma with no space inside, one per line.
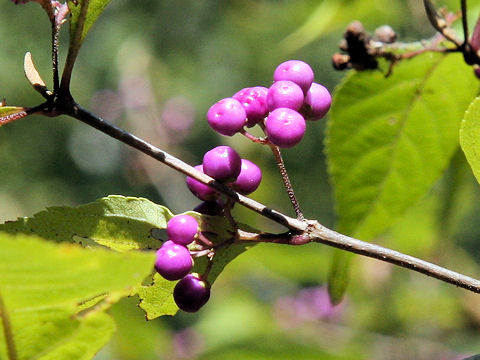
(104,126)
(56,80)
(302,232)
(320,234)
(464,21)
(7,331)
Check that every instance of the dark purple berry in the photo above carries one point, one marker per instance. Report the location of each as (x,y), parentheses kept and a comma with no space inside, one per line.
(285,94)
(249,178)
(212,208)
(476,71)
(222,163)
(202,191)
(254,101)
(181,229)
(227,116)
(191,293)
(285,127)
(317,101)
(173,261)
(297,71)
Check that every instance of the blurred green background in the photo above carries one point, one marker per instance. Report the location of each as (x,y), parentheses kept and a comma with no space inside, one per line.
(154,68)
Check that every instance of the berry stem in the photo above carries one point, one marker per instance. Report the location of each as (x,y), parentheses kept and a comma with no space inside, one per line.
(227,211)
(286,181)
(203,239)
(252,137)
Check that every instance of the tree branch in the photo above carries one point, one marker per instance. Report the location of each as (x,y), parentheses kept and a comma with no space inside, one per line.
(104,126)
(302,232)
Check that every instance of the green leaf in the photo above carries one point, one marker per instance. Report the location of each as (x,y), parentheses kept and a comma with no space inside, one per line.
(45,286)
(389,139)
(470,136)
(118,222)
(93,10)
(339,276)
(157,299)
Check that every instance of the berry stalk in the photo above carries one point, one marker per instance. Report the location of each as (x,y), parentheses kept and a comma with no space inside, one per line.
(286,181)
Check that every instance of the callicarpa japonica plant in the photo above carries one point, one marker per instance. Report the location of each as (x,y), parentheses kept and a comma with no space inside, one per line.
(380,128)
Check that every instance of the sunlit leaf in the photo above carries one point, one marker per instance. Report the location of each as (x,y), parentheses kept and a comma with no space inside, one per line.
(118,222)
(470,137)
(44,287)
(390,139)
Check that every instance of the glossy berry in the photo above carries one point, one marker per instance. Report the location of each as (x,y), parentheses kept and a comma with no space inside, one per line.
(249,178)
(284,94)
(173,261)
(285,127)
(222,163)
(254,101)
(227,116)
(191,293)
(181,229)
(317,101)
(297,71)
(202,191)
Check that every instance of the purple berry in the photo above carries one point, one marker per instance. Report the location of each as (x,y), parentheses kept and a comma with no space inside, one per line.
(173,261)
(317,102)
(191,293)
(202,191)
(285,127)
(181,229)
(227,116)
(285,94)
(297,71)
(254,100)
(249,178)
(222,163)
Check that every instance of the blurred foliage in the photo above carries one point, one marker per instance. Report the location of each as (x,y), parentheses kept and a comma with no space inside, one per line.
(154,68)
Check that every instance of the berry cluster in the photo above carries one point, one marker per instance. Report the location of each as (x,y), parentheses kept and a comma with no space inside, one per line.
(280,110)
(174,262)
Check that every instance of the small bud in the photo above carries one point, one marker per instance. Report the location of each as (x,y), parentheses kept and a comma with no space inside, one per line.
(340,61)
(356,29)
(343,45)
(385,34)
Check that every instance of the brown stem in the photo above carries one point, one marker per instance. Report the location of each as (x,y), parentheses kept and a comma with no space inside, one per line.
(286,181)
